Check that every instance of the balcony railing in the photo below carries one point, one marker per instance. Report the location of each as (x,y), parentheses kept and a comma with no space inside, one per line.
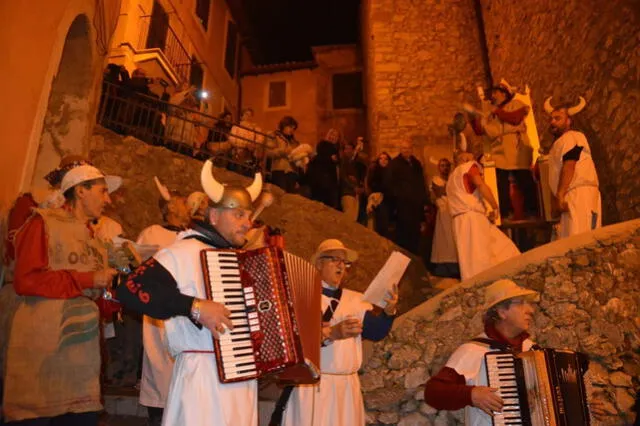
(163,37)
(187,131)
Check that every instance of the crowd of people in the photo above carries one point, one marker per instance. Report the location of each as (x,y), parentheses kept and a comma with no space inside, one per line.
(60,252)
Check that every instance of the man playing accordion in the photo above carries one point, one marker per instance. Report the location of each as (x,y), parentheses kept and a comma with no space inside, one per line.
(171,286)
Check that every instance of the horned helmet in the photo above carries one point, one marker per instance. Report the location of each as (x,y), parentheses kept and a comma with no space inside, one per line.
(227,196)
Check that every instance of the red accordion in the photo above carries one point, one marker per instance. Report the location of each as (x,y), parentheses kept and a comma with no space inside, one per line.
(274,299)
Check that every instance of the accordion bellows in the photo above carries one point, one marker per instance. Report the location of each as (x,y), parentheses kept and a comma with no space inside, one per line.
(274,299)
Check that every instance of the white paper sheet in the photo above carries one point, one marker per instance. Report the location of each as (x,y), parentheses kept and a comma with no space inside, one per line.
(390,274)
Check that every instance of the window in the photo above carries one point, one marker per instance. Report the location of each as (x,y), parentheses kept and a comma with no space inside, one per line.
(231,49)
(158,28)
(277,94)
(196,74)
(347,90)
(202,12)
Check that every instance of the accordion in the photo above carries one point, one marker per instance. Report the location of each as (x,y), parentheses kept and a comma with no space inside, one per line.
(274,300)
(540,387)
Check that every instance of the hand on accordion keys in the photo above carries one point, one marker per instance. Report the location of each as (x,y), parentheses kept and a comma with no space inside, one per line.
(486,399)
(212,315)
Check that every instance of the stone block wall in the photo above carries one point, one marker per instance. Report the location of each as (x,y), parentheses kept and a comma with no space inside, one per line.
(590,302)
(421,59)
(575,47)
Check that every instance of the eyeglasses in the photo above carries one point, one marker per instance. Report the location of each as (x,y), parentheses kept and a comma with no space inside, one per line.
(338,260)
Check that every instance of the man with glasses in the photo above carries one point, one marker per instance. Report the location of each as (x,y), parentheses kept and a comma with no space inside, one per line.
(347,319)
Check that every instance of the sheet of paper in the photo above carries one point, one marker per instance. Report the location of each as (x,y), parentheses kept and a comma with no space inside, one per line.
(390,274)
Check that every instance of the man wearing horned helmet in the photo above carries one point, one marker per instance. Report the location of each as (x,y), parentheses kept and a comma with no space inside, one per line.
(171,286)
(572,173)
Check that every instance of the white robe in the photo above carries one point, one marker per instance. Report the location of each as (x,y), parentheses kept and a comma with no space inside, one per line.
(157,364)
(196,395)
(480,244)
(468,361)
(443,249)
(336,400)
(583,194)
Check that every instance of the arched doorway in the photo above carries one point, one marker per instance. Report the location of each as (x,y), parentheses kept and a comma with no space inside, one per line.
(67,117)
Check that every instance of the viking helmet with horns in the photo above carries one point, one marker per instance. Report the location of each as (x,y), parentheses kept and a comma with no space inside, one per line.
(571,111)
(229,197)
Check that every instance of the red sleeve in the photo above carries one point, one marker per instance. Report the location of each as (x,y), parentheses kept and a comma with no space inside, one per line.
(32,274)
(512,117)
(468,182)
(19,214)
(476,125)
(447,390)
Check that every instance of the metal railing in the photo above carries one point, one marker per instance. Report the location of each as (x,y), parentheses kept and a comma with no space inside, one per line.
(187,131)
(174,51)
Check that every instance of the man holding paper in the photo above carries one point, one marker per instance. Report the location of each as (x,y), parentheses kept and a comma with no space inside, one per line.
(347,319)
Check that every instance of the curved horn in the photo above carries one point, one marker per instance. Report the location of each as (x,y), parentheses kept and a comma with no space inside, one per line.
(255,188)
(164,192)
(577,108)
(211,186)
(547,105)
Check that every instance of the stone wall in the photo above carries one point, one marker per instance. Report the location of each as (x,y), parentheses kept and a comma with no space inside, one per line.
(305,223)
(572,48)
(421,59)
(590,302)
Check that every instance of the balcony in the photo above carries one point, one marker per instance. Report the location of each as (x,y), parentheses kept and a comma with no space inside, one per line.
(157,40)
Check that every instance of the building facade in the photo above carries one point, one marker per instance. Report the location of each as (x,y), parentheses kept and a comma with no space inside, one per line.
(320,94)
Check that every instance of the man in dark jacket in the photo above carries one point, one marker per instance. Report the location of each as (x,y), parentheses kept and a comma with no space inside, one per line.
(410,196)
(322,174)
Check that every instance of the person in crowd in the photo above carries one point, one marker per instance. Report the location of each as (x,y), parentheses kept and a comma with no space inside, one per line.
(406,181)
(183,119)
(171,286)
(347,319)
(510,148)
(53,354)
(462,383)
(572,173)
(322,172)
(283,173)
(157,363)
(246,143)
(378,183)
(480,244)
(352,174)
(444,256)
(217,139)
(197,204)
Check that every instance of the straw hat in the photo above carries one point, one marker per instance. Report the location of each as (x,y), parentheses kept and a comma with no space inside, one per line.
(502,290)
(333,244)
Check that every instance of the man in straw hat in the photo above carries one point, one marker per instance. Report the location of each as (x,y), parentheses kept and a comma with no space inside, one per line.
(347,318)
(572,172)
(171,286)
(53,354)
(462,382)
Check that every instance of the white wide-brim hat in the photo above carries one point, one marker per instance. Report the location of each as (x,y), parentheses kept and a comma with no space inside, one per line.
(504,289)
(85,173)
(333,244)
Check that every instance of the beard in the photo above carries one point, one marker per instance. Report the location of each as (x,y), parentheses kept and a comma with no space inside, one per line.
(556,131)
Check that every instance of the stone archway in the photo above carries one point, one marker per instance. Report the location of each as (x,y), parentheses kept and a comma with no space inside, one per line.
(67,118)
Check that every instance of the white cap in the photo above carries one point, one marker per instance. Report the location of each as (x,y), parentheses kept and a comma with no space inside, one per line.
(85,173)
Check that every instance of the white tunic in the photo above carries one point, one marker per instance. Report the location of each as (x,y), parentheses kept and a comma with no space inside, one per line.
(444,246)
(336,400)
(583,195)
(468,361)
(196,396)
(480,244)
(157,364)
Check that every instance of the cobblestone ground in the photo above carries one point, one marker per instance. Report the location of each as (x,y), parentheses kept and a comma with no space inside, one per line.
(109,420)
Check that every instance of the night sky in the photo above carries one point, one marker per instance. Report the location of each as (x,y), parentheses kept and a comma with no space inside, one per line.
(285,30)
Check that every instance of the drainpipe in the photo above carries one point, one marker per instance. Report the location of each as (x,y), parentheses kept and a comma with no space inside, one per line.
(239,79)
